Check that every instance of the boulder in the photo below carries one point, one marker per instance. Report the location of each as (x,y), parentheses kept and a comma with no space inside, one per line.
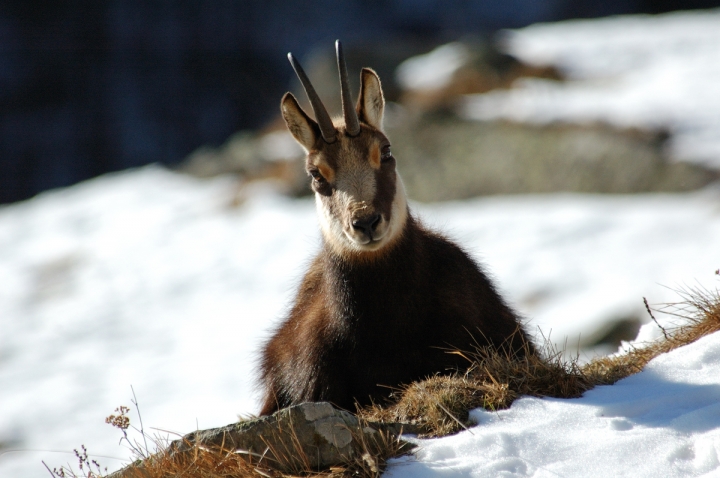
(313,436)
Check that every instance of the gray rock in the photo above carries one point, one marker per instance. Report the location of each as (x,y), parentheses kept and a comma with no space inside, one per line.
(443,157)
(314,435)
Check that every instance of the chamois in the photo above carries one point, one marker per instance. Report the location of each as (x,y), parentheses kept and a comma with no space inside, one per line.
(385,298)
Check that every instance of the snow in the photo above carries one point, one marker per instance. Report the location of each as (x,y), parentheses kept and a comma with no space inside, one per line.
(147,279)
(664,421)
(633,71)
(572,262)
(153,279)
(432,70)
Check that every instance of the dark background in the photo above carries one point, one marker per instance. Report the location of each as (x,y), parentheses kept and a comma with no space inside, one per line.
(88,87)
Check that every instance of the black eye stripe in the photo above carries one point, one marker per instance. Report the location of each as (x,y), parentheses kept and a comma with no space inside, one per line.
(385,153)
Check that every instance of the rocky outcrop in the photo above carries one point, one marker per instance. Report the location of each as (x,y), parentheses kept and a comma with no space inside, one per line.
(307,436)
(443,157)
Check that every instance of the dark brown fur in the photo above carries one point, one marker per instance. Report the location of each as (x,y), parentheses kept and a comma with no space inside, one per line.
(359,327)
(371,316)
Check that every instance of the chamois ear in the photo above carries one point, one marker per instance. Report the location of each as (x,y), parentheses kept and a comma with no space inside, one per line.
(304,130)
(371,104)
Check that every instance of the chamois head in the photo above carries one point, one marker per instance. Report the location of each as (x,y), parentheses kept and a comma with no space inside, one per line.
(359,195)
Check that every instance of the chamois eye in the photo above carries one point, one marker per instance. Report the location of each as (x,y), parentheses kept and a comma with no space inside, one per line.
(319,183)
(386,154)
(316,175)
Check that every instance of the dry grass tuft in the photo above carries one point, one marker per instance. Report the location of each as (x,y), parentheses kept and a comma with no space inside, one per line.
(440,404)
(203,462)
(698,315)
(199,461)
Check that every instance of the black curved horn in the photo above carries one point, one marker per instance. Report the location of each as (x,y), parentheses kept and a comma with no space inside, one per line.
(352,123)
(321,115)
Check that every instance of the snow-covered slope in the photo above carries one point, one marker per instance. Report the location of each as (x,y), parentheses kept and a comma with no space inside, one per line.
(145,278)
(635,71)
(152,279)
(664,421)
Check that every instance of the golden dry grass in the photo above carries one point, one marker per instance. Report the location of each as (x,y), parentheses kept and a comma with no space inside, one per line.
(203,462)
(198,461)
(440,404)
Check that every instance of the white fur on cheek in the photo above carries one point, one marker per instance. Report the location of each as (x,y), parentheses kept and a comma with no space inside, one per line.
(341,240)
(399,211)
(330,226)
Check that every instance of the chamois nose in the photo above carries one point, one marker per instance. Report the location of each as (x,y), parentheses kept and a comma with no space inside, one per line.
(367,224)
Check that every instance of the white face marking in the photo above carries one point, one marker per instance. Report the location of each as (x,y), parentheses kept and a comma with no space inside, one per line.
(345,173)
(399,211)
(339,232)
